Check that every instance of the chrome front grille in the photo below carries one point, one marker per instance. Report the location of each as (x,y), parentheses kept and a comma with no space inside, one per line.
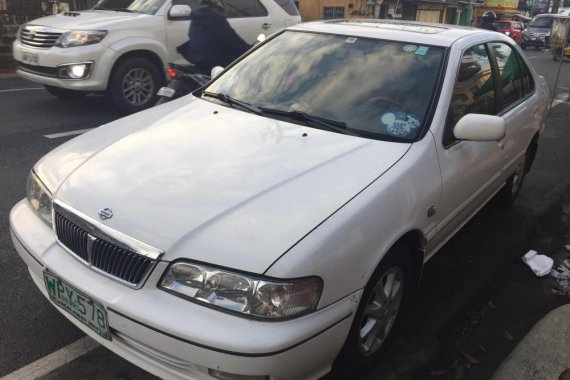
(116,262)
(39,36)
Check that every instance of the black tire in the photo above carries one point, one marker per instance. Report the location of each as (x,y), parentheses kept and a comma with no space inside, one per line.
(509,193)
(133,85)
(537,48)
(64,93)
(361,352)
(555,57)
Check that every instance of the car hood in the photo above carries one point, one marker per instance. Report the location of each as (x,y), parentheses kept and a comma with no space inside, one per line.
(89,20)
(214,184)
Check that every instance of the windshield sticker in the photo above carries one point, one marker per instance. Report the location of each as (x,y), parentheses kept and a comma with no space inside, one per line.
(400,124)
(351,40)
(422,50)
(410,48)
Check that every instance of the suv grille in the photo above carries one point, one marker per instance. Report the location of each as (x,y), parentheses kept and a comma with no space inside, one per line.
(117,262)
(38,36)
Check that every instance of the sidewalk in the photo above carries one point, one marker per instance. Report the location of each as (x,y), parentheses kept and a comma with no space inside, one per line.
(544,353)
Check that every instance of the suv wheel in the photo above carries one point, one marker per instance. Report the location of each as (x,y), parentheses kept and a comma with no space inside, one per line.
(64,93)
(133,85)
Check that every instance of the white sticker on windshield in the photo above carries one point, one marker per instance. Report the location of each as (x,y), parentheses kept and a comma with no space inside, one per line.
(351,40)
(410,48)
(422,50)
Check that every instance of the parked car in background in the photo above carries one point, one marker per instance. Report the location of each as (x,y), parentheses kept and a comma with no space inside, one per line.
(122,47)
(263,226)
(513,29)
(538,31)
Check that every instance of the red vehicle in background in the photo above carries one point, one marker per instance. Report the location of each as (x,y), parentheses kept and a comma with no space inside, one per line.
(513,29)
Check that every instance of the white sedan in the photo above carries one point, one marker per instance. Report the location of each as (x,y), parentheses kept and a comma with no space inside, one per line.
(278,219)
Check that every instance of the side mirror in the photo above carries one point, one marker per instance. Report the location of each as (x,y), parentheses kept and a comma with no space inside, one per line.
(179,12)
(216,71)
(478,127)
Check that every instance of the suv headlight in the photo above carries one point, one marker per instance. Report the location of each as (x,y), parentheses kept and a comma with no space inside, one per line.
(39,197)
(80,38)
(249,295)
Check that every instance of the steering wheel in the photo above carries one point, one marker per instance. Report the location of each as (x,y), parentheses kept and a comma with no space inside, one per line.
(399,106)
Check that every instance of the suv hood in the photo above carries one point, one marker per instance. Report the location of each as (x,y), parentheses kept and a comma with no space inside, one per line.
(218,185)
(536,30)
(87,20)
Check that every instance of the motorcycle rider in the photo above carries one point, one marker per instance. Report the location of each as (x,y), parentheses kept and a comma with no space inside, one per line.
(212,42)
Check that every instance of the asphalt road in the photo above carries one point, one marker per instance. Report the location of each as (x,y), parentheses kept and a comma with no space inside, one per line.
(476,292)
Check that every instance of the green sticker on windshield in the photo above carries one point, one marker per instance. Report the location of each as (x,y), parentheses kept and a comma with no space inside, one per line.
(422,50)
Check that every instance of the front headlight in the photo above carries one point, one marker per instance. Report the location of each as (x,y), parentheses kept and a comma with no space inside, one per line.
(80,38)
(245,294)
(39,197)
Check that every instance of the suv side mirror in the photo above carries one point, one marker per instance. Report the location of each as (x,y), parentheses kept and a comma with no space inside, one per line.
(179,12)
(479,127)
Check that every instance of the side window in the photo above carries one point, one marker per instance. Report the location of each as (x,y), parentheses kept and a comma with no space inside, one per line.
(288,6)
(244,8)
(526,77)
(509,70)
(474,90)
(194,4)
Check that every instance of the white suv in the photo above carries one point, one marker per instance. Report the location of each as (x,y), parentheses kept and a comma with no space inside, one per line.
(122,46)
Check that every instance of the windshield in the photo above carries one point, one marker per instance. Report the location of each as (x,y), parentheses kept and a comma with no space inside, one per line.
(502,25)
(375,88)
(149,7)
(542,22)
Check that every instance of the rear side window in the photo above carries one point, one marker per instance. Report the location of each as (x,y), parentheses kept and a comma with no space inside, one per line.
(526,78)
(244,8)
(288,6)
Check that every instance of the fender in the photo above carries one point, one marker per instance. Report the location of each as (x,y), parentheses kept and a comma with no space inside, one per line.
(151,45)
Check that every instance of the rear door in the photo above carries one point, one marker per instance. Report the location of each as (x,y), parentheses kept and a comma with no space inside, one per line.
(516,96)
(250,18)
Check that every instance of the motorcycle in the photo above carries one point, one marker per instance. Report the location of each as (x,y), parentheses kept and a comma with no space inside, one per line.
(183,80)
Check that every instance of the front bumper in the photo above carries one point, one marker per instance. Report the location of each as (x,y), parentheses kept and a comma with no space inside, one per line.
(540,41)
(50,58)
(176,339)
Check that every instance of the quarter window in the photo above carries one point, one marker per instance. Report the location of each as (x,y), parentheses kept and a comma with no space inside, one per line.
(474,90)
(288,6)
(244,8)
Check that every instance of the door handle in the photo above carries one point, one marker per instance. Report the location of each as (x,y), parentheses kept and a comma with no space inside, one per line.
(265,26)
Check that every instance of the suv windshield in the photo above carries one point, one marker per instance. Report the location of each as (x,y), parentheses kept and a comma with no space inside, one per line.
(149,7)
(373,88)
(542,22)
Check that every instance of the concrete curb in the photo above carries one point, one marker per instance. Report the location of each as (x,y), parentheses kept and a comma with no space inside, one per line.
(543,353)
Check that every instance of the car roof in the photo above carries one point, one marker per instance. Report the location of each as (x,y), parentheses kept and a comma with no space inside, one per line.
(406,31)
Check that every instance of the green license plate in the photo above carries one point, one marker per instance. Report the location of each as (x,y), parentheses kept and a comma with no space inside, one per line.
(91,313)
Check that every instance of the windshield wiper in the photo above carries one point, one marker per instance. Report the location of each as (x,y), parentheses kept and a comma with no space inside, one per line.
(231,101)
(331,125)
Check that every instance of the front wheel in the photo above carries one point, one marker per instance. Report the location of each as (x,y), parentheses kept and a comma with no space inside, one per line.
(381,304)
(64,93)
(133,85)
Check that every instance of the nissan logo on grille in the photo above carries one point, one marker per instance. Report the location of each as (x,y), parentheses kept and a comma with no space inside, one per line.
(106,213)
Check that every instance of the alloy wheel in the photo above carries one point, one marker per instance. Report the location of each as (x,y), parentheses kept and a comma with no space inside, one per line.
(138,86)
(381,310)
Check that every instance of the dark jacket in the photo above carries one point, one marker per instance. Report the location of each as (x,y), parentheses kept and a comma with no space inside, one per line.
(212,42)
